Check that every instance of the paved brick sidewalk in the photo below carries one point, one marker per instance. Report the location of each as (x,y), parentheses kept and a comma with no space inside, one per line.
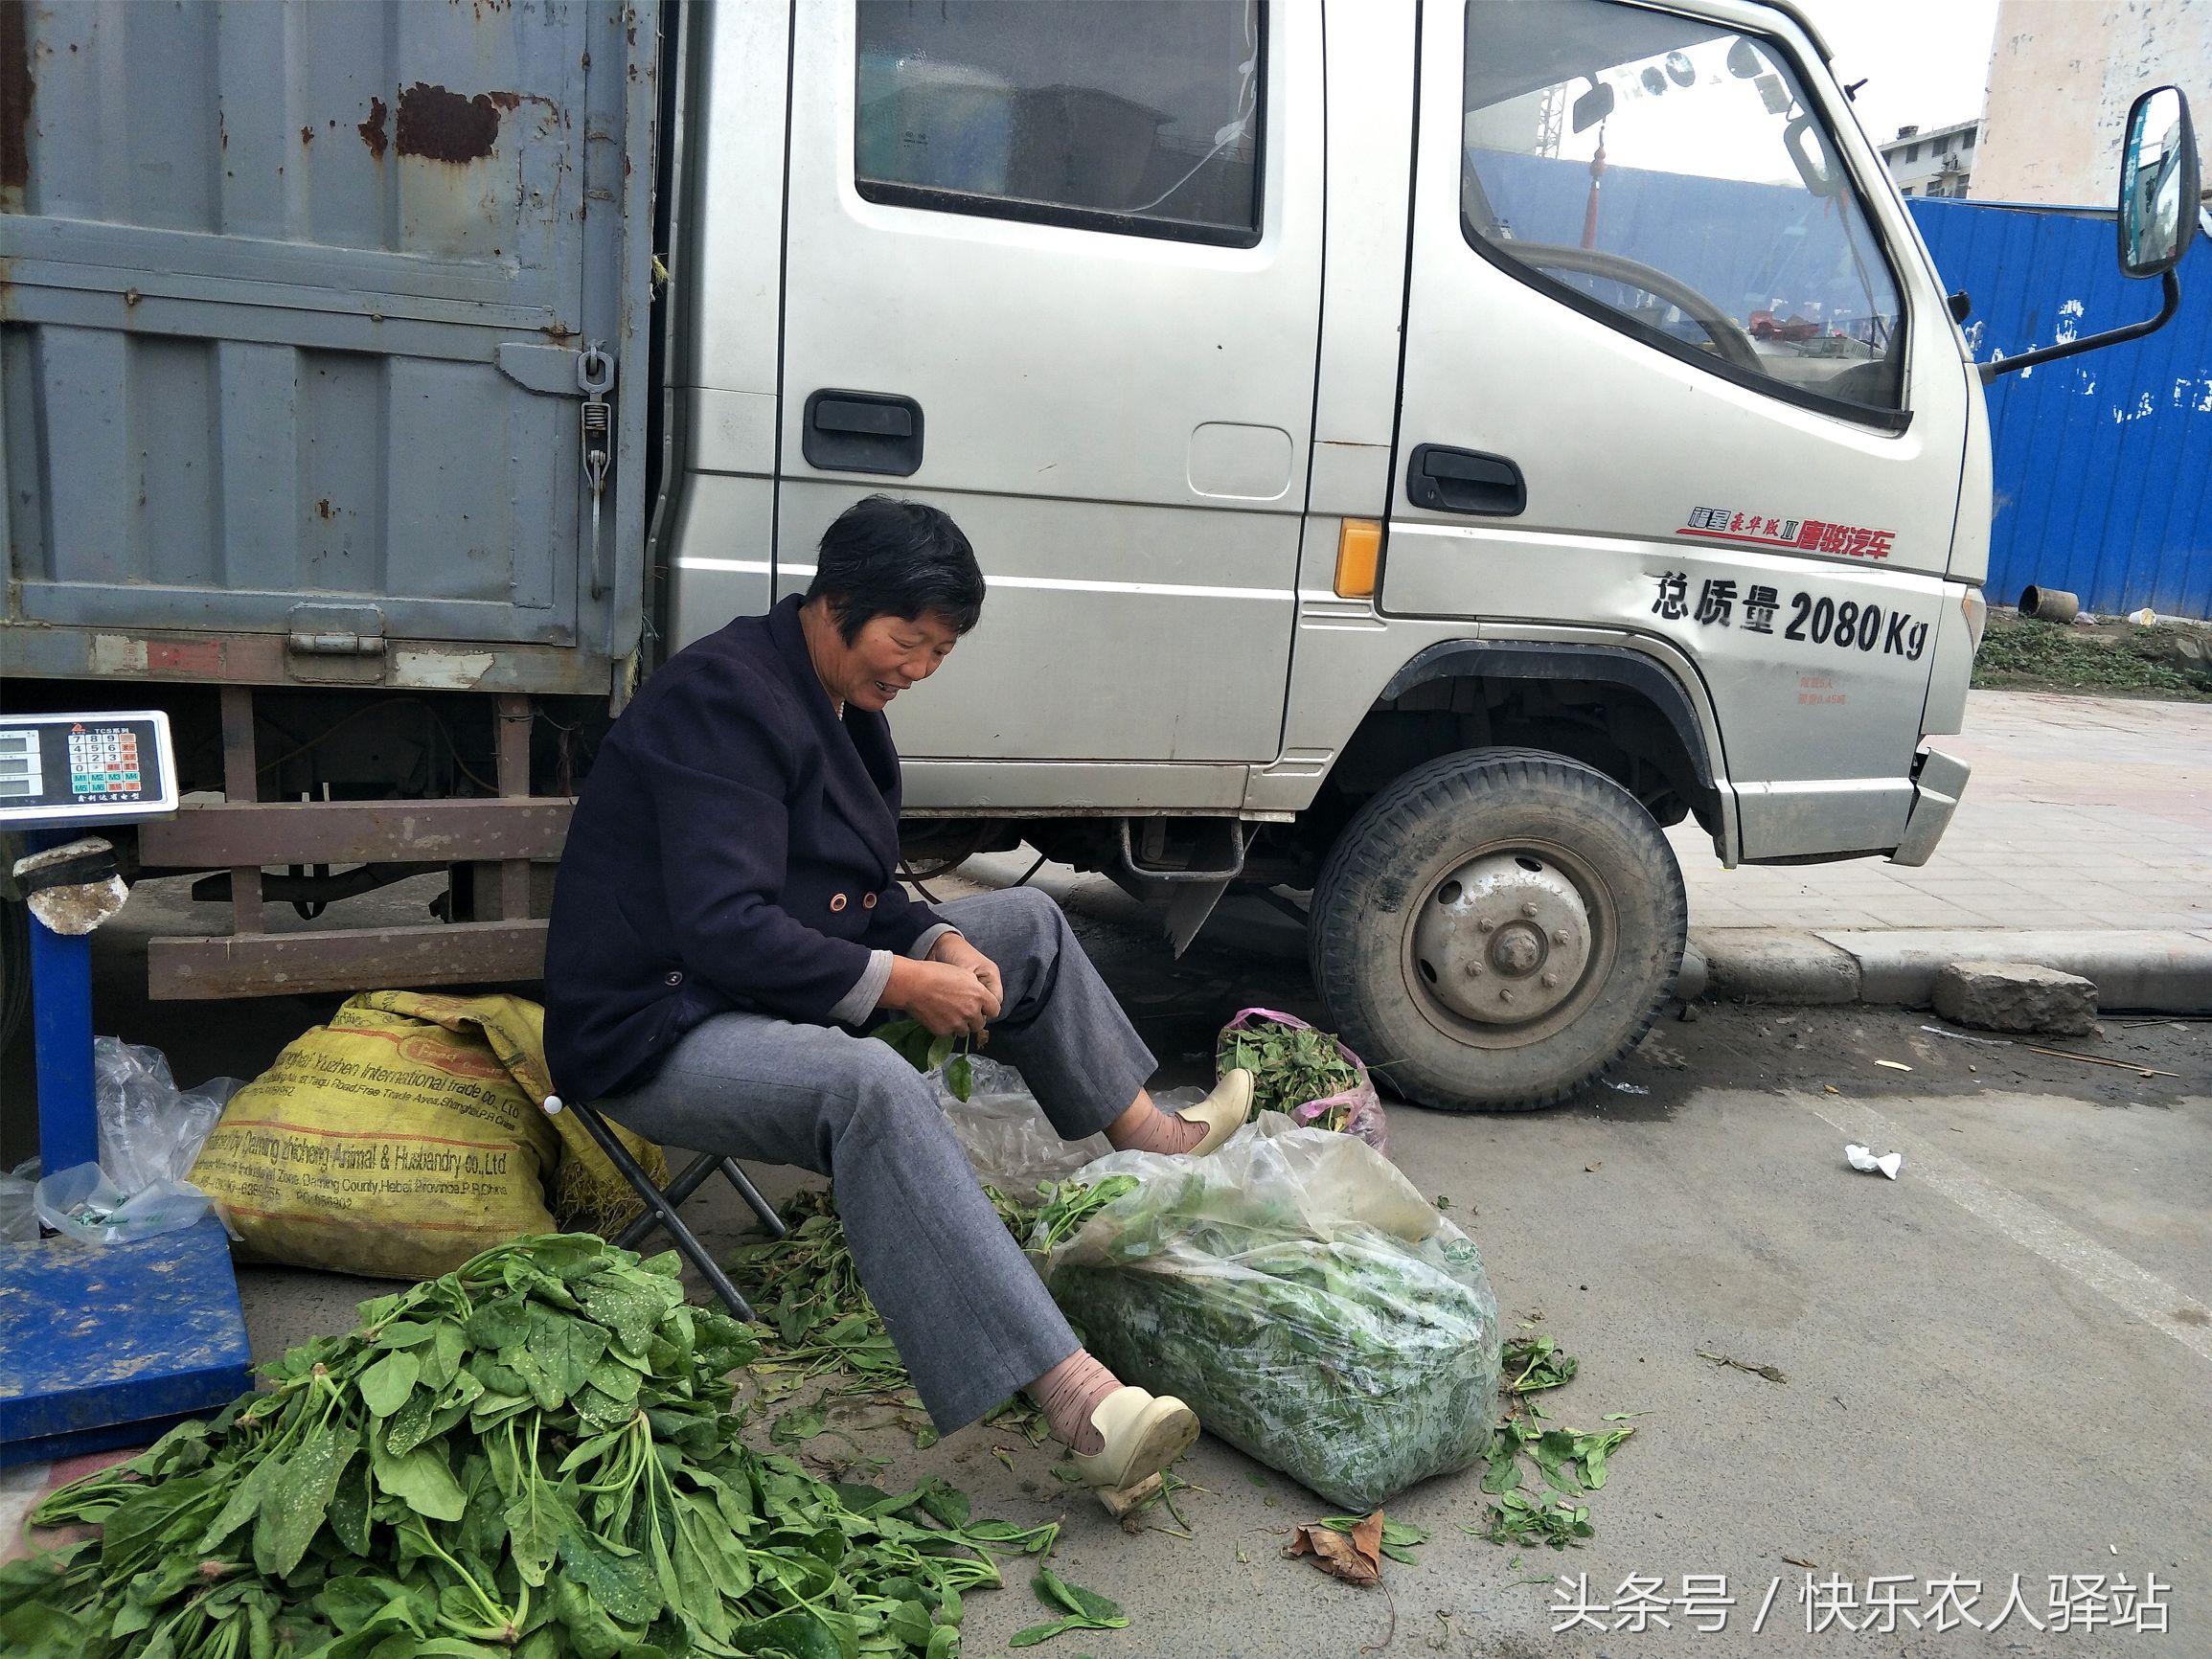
(2083,813)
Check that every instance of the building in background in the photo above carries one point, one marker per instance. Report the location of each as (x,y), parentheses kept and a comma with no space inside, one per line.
(2061,80)
(1936,163)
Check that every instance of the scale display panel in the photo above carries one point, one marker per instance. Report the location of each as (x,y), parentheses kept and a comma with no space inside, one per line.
(60,770)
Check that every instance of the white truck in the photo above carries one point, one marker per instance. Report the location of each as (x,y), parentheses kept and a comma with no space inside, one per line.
(1417,451)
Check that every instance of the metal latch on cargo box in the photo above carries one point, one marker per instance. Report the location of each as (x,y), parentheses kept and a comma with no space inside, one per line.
(325,630)
(595,379)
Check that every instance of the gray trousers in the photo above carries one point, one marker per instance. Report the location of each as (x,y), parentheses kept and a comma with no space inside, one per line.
(968,1313)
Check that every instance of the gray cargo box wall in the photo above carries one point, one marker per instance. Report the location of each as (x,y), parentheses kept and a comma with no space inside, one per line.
(293,300)
(293,297)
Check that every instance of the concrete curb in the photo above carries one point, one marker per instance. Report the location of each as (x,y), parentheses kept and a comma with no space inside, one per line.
(2154,971)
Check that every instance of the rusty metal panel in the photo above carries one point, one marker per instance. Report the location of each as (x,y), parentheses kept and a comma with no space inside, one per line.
(345,960)
(291,296)
(247,833)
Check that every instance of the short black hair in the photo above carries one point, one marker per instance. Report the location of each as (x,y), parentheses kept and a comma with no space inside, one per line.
(885,557)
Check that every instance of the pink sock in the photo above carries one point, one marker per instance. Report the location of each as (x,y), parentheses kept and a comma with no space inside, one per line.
(1068,1394)
(1159,1133)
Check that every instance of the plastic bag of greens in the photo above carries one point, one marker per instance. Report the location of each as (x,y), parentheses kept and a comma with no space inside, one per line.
(1303,1297)
(1305,1072)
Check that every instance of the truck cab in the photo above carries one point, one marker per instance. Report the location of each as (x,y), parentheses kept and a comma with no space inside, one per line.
(1417,453)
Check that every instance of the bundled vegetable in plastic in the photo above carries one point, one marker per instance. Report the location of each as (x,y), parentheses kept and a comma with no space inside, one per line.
(1312,1307)
(1301,1070)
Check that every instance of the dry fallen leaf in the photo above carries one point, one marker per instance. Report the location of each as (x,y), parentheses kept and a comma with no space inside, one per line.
(1357,1559)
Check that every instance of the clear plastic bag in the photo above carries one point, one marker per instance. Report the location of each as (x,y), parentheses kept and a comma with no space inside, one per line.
(81,1203)
(1008,1138)
(18,1212)
(1357,1111)
(1305,1300)
(150,1130)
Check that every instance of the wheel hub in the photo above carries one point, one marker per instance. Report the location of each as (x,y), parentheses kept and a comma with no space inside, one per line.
(1503,939)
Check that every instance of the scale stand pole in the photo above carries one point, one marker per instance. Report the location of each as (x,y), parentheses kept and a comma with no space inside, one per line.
(61,1028)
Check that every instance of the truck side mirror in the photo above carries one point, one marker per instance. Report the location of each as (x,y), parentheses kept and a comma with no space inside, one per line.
(2157,183)
(2158,216)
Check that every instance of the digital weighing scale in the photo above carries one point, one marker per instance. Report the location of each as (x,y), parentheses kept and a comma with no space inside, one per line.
(103,1344)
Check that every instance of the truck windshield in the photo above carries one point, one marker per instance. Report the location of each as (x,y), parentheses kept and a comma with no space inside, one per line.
(1672,177)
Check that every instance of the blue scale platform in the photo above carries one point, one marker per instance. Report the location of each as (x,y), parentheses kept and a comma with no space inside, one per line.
(105,1346)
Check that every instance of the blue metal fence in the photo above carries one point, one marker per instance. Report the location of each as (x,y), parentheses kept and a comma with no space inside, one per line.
(2103,462)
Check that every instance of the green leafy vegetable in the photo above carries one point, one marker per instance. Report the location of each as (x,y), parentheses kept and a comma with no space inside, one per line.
(800,1424)
(1062,1209)
(1079,1609)
(1532,1363)
(1516,1520)
(926,1051)
(820,1324)
(534,1456)
(1290,1065)
(1569,1461)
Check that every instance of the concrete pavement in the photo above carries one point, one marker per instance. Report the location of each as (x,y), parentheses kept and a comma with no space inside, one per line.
(2084,842)
(2089,813)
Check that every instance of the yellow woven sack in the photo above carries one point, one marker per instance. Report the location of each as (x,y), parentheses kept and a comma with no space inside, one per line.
(407,1135)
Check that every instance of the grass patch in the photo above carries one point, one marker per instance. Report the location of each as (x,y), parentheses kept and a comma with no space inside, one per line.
(2041,657)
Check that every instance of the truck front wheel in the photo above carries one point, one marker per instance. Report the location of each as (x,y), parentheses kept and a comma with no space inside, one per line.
(1496,928)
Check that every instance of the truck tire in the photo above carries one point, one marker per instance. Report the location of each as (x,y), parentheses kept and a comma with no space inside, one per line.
(1496,928)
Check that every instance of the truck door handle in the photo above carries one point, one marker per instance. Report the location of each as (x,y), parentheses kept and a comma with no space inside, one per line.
(1447,480)
(862,432)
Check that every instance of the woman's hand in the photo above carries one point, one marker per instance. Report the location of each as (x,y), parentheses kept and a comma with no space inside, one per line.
(954,951)
(949,1001)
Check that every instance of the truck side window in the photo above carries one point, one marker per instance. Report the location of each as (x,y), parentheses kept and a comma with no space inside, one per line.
(1672,179)
(1141,116)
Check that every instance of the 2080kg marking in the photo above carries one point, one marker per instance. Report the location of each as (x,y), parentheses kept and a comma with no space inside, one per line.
(1853,624)
(1847,625)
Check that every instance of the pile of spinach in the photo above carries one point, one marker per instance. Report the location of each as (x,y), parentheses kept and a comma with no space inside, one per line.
(1290,1065)
(822,1327)
(529,1458)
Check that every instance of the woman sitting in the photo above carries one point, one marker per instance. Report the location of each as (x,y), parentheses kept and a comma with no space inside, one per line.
(727,923)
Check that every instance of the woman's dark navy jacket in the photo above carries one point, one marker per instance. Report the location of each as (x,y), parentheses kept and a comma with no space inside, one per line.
(734,848)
